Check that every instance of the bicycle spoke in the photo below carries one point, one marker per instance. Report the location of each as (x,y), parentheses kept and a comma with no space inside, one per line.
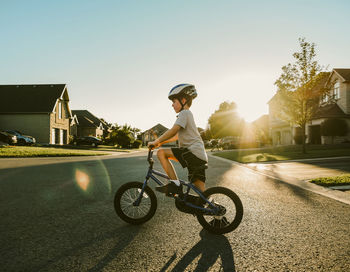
(127,203)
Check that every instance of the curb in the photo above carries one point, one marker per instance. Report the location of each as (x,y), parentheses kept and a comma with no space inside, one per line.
(327,192)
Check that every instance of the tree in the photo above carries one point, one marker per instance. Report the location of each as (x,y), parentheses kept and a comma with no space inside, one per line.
(123,136)
(296,101)
(106,128)
(206,134)
(334,127)
(225,121)
(261,129)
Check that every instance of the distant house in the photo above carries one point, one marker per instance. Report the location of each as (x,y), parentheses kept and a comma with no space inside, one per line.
(262,129)
(74,123)
(333,104)
(153,133)
(41,111)
(88,124)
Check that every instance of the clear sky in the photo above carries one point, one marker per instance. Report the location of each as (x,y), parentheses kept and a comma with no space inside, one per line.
(119,59)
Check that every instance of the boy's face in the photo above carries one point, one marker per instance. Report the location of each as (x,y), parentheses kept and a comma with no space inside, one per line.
(176,105)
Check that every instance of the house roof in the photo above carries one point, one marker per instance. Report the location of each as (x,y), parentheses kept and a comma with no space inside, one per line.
(86,118)
(318,88)
(159,128)
(330,111)
(344,73)
(262,120)
(30,98)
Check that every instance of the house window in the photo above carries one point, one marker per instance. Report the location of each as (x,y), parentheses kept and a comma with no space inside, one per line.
(324,98)
(59,110)
(336,91)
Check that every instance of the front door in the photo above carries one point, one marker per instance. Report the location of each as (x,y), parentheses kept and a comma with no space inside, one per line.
(315,134)
(64,136)
(57,136)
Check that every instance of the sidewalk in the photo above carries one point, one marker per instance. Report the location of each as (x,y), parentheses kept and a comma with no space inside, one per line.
(298,175)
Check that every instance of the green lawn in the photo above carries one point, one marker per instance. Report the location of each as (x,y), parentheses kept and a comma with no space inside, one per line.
(107,148)
(34,151)
(284,153)
(332,181)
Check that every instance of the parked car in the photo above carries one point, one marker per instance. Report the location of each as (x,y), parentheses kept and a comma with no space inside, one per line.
(22,139)
(229,142)
(8,138)
(87,140)
(214,144)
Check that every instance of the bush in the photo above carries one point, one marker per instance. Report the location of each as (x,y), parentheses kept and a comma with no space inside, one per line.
(136,144)
(299,138)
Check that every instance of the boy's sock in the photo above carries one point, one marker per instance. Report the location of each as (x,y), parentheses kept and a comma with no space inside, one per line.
(176,181)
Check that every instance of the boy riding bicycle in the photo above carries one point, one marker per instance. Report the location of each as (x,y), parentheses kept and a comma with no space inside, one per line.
(191,152)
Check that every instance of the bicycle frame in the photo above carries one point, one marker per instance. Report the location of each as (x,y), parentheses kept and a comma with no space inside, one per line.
(152,174)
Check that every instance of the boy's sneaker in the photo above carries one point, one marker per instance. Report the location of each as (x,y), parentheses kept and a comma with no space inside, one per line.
(170,189)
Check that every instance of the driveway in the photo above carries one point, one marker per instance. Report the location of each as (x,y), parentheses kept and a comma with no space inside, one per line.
(305,169)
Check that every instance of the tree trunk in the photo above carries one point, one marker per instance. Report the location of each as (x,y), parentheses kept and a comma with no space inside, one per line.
(303,138)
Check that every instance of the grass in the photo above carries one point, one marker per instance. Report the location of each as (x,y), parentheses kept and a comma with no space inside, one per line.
(35,151)
(107,148)
(332,181)
(284,153)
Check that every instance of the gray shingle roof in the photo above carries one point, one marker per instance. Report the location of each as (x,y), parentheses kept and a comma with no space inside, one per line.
(159,128)
(86,118)
(344,73)
(29,98)
(330,111)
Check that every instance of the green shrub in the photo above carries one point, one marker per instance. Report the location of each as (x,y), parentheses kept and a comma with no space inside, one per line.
(136,144)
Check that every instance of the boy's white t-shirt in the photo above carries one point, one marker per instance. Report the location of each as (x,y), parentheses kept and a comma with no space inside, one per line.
(189,136)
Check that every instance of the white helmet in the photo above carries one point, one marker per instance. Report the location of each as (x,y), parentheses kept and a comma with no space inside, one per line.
(183,90)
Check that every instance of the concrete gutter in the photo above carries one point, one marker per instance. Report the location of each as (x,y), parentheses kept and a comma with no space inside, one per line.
(304,184)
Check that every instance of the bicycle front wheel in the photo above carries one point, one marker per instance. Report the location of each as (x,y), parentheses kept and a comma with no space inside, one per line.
(231,210)
(125,207)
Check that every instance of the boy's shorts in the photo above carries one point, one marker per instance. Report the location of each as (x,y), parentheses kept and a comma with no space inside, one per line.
(189,160)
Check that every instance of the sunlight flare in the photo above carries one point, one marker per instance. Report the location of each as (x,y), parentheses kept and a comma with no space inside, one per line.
(82,179)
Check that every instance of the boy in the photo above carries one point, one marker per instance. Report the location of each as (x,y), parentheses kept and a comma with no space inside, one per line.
(191,152)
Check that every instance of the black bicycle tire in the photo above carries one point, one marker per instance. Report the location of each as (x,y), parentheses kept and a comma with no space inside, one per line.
(238,205)
(122,215)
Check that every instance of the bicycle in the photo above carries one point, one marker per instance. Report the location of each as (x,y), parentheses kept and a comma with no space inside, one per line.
(218,209)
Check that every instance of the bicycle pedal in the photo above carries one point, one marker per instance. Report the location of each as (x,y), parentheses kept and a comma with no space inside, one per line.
(175,195)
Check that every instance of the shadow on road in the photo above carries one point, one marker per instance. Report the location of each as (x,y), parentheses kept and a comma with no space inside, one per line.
(297,191)
(129,232)
(124,235)
(210,247)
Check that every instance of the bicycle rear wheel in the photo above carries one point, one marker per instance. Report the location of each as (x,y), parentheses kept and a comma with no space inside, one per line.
(231,211)
(124,203)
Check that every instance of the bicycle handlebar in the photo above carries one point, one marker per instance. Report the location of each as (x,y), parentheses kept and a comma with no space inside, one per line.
(150,154)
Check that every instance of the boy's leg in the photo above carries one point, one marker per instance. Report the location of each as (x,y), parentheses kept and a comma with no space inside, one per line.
(199,184)
(174,187)
(164,156)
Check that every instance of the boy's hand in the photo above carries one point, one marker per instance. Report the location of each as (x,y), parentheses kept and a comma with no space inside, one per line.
(153,144)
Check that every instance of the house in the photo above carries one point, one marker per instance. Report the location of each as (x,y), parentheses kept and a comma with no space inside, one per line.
(153,133)
(261,129)
(88,124)
(332,104)
(41,111)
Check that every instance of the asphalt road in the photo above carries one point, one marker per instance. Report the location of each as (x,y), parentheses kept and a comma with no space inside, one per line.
(57,215)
